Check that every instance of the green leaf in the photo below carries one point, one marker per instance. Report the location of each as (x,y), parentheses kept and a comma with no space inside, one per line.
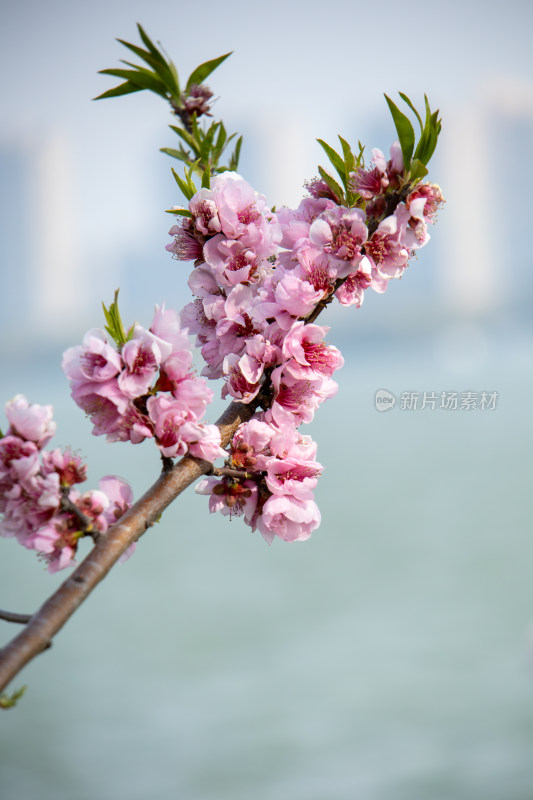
(206,178)
(187,186)
(205,147)
(234,160)
(221,138)
(139,77)
(181,155)
(187,137)
(181,212)
(413,109)
(147,41)
(122,88)
(428,140)
(405,131)
(349,158)
(334,157)
(198,75)
(417,171)
(332,183)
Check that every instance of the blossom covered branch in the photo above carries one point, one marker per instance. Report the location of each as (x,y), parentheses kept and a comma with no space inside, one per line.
(261,278)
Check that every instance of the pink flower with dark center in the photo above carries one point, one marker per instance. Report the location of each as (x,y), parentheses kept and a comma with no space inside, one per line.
(319,189)
(316,269)
(353,289)
(204,209)
(142,357)
(232,261)
(13,448)
(103,403)
(295,401)
(341,232)
(292,477)
(386,249)
(308,357)
(245,215)
(95,360)
(232,497)
(188,242)
(238,324)
(368,183)
(168,417)
(68,466)
(57,542)
(193,317)
(432,195)
(236,383)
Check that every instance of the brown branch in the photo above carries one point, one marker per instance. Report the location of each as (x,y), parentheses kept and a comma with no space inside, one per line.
(54,613)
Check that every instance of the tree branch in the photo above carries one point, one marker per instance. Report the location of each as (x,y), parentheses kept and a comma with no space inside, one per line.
(54,613)
(174,479)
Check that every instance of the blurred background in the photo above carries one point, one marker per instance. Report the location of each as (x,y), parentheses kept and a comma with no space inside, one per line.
(390,656)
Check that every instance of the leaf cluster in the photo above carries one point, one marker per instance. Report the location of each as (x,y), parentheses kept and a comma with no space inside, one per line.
(200,149)
(416,159)
(115,326)
(344,164)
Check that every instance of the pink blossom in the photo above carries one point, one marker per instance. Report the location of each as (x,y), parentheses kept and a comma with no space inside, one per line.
(93,361)
(386,249)
(431,194)
(142,357)
(31,422)
(292,477)
(119,494)
(57,542)
(232,261)
(203,441)
(237,384)
(295,401)
(187,244)
(295,224)
(368,183)
(68,466)
(352,291)
(204,209)
(232,498)
(287,517)
(308,356)
(193,394)
(168,416)
(341,232)
(13,448)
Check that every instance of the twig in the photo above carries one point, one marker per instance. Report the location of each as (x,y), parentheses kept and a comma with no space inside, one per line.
(10,616)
